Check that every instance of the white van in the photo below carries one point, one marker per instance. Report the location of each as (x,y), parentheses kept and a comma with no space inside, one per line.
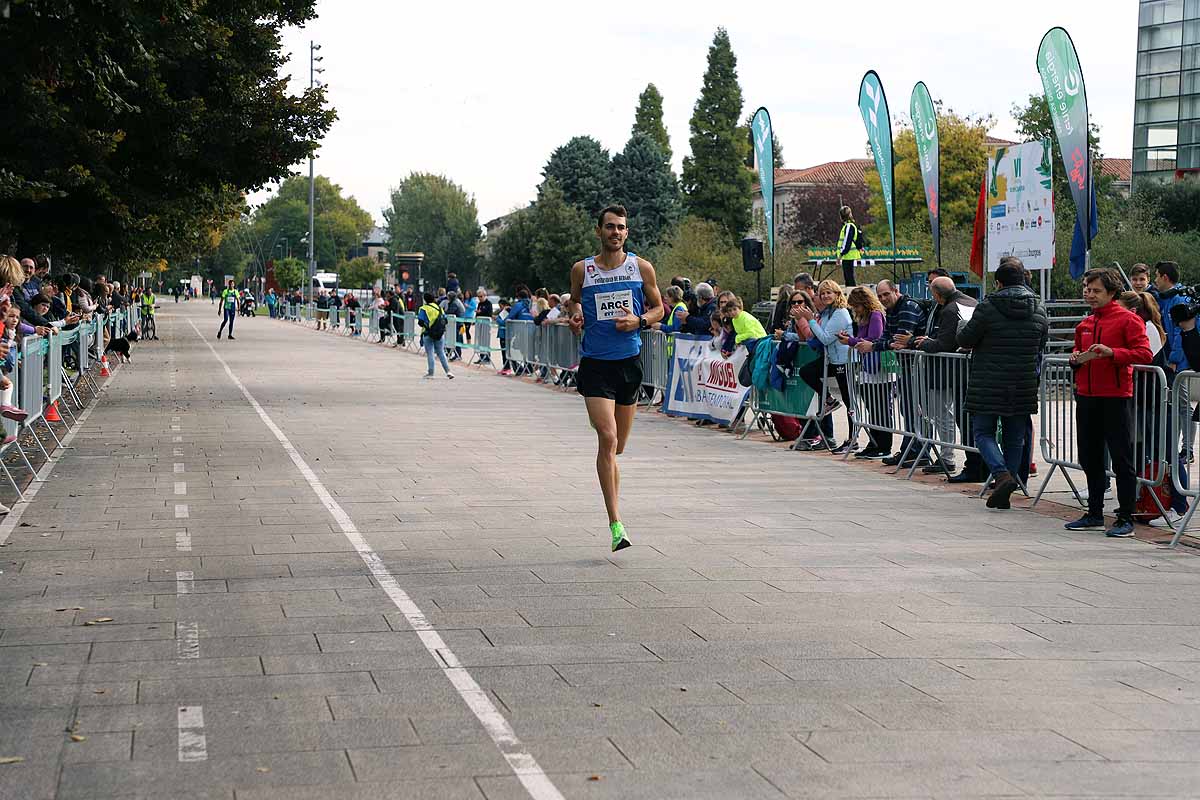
(325,280)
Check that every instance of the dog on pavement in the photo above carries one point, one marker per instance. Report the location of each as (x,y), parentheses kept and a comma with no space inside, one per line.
(121,346)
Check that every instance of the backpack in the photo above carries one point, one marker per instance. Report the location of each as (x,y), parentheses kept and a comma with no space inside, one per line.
(861,242)
(437,328)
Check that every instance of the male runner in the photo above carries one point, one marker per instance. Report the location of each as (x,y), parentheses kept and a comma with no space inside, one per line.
(614,296)
(229,306)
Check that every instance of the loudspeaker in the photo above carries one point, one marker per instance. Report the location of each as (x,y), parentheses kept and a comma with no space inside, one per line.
(752,255)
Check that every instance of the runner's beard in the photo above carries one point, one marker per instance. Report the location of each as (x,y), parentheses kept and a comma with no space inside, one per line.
(610,247)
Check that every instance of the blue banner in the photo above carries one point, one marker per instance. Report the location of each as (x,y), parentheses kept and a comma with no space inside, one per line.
(764,156)
(874,108)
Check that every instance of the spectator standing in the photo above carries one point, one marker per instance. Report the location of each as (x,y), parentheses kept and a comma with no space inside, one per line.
(335,307)
(675,305)
(272,302)
(351,305)
(903,315)
(700,323)
(1166,276)
(945,401)
(452,283)
(832,319)
(454,309)
(1108,342)
(322,310)
(1139,280)
(1006,335)
(869,326)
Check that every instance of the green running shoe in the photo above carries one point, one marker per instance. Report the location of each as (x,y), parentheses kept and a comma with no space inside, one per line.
(619,540)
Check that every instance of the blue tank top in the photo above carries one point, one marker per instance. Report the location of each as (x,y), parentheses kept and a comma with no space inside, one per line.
(605,293)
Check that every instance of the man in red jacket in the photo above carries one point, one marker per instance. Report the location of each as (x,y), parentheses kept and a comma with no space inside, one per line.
(1108,343)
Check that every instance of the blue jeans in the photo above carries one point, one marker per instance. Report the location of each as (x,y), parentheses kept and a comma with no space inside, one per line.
(1006,457)
(432,346)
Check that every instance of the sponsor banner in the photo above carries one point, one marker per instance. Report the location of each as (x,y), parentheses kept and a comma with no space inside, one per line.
(1020,206)
(1062,81)
(701,384)
(764,156)
(901,254)
(924,120)
(874,108)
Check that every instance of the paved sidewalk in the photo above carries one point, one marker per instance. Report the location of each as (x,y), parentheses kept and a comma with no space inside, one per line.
(783,626)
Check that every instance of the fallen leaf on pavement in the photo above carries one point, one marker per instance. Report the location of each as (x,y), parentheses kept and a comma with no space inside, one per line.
(11,759)
(75,737)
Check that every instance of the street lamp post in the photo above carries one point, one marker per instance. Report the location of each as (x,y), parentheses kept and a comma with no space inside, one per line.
(313,71)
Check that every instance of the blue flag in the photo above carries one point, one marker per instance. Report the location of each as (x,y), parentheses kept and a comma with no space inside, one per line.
(1079,243)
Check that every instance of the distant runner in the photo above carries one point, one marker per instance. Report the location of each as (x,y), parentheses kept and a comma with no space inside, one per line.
(229,306)
(614,296)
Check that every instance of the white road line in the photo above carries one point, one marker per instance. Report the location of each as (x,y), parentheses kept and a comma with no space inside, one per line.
(185,582)
(183,541)
(178,467)
(181,511)
(174,419)
(181,487)
(13,519)
(176,438)
(192,744)
(176,428)
(178,451)
(520,761)
(187,639)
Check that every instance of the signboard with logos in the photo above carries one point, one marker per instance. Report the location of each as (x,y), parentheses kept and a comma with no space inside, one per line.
(701,384)
(1020,207)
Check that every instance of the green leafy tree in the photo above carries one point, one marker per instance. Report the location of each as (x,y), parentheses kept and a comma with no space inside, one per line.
(963,161)
(644,183)
(507,264)
(133,132)
(563,234)
(716,183)
(581,169)
(700,249)
(648,119)
(290,273)
(541,242)
(431,214)
(1177,204)
(359,273)
(339,222)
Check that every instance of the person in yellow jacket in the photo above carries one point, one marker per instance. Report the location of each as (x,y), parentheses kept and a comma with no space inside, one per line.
(847,249)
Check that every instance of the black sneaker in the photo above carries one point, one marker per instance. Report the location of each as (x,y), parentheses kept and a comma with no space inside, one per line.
(846,447)
(1121,529)
(938,467)
(1086,523)
(893,460)
(869,452)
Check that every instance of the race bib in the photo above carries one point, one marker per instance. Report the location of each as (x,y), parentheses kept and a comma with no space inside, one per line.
(613,305)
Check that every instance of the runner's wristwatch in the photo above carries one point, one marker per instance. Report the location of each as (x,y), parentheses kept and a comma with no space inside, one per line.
(642,324)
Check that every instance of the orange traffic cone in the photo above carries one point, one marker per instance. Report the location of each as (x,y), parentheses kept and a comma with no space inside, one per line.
(51,414)
(104,373)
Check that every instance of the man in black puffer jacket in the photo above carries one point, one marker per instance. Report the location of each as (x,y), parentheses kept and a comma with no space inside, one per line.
(1007,335)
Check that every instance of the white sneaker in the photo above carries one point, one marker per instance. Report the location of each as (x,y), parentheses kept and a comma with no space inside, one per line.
(1169,521)
(427,376)
(450,375)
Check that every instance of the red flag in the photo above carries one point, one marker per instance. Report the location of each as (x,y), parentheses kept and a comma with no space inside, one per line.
(978,250)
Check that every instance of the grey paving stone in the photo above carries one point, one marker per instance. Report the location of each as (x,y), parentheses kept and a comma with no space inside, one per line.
(687,784)
(949,747)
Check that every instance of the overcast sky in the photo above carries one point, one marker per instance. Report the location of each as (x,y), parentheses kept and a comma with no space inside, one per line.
(483,92)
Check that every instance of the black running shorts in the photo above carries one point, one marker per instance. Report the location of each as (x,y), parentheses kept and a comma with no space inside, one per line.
(615,380)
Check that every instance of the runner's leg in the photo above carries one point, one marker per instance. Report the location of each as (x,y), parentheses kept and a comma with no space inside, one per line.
(603,415)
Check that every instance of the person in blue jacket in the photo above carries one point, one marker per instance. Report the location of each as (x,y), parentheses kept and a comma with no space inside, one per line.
(1166,278)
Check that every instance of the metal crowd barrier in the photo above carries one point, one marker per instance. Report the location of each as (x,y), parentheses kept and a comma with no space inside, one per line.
(796,400)
(1059,436)
(1182,433)
(655,358)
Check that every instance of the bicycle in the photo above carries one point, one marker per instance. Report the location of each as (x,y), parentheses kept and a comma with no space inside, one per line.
(149,328)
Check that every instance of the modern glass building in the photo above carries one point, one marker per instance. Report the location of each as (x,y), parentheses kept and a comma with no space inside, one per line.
(1166,117)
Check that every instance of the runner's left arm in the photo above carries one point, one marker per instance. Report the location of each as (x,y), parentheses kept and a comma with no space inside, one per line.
(652,307)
